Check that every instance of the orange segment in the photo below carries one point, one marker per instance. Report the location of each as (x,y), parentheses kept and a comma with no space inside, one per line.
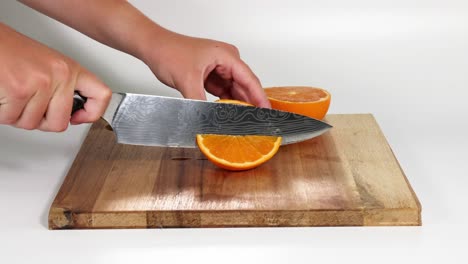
(238,152)
(309,101)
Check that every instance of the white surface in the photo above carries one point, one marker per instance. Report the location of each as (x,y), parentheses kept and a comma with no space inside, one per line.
(404,61)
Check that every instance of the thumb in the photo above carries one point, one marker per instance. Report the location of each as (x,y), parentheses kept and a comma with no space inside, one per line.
(98,96)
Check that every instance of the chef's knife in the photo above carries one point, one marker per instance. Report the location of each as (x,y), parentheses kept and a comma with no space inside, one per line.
(173,122)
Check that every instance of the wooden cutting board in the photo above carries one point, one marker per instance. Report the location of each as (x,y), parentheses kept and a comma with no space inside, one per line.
(349,176)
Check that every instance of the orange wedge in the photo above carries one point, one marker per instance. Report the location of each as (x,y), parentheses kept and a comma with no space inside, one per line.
(238,153)
(309,101)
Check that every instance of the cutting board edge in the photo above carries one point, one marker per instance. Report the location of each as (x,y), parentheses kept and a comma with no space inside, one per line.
(60,218)
(410,188)
(408,184)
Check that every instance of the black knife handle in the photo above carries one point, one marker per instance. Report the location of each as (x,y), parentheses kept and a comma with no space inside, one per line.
(78,102)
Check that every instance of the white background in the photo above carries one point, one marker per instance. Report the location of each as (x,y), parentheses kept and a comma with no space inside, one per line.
(403,61)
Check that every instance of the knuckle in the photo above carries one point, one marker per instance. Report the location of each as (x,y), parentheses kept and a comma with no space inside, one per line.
(233,48)
(62,69)
(23,89)
(21,93)
(106,94)
(43,82)
(229,48)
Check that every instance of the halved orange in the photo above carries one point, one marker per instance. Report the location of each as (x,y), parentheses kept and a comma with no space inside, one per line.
(309,101)
(233,152)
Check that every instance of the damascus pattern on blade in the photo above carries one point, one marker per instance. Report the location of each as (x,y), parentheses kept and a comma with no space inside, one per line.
(165,121)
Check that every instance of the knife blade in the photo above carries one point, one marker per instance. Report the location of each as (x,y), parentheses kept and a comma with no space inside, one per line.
(152,120)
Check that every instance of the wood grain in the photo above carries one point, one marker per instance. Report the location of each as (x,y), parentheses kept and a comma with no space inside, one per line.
(348,176)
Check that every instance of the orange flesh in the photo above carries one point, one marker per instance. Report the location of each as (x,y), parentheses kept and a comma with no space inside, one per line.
(296,94)
(238,152)
(309,101)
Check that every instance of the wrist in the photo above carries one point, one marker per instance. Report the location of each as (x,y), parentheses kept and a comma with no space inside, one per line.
(153,43)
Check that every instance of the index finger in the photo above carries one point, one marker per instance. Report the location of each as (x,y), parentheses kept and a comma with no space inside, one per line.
(98,96)
(250,84)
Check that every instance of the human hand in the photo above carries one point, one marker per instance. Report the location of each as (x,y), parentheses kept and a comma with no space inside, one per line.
(192,65)
(37,85)
(188,64)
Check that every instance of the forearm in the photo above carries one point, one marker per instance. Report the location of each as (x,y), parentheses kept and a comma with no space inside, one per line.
(115,23)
